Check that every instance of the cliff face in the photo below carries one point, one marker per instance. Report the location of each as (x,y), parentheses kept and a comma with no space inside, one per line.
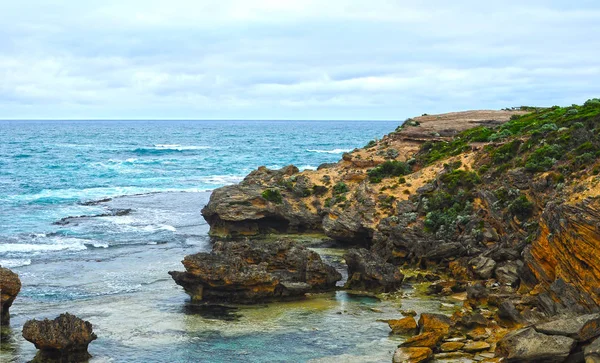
(567,252)
(335,199)
(503,195)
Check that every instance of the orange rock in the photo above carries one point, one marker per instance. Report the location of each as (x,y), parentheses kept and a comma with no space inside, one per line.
(434,323)
(412,355)
(451,346)
(429,340)
(473,347)
(406,325)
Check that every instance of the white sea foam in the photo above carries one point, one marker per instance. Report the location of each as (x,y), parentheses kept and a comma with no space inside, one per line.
(168,228)
(334,151)
(11,263)
(221,179)
(100,244)
(41,247)
(179,147)
(307,167)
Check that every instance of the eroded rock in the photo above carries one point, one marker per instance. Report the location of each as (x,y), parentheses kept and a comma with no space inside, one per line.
(10,285)
(250,272)
(369,272)
(527,345)
(412,355)
(64,339)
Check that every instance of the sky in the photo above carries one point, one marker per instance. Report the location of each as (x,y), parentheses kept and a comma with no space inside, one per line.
(304,59)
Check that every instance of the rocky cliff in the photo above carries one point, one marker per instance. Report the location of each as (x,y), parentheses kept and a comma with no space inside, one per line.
(503,196)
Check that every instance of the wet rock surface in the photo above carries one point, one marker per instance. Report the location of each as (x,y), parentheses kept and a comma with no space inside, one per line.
(250,272)
(64,339)
(10,285)
(369,272)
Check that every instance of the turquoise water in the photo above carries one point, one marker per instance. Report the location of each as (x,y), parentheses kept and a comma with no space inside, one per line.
(47,168)
(107,262)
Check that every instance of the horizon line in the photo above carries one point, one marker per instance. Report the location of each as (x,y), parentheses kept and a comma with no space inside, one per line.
(221,119)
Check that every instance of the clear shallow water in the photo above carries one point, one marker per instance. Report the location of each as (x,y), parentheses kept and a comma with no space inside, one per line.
(109,265)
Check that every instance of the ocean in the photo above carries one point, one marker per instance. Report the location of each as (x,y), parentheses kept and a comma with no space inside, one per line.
(93,214)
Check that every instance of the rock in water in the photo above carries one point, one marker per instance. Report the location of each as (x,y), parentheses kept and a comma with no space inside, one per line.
(64,339)
(527,345)
(369,272)
(10,285)
(412,355)
(250,272)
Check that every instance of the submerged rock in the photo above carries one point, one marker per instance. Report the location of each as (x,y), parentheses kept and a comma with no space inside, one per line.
(10,285)
(250,272)
(369,272)
(64,339)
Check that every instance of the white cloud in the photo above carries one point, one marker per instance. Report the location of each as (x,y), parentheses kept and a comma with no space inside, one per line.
(292,59)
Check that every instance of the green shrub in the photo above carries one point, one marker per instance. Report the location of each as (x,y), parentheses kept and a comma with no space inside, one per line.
(505,152)
(272,195)
(521,207)
(370,144)
(544,158)
(388,169)
(340,188)
(460,179)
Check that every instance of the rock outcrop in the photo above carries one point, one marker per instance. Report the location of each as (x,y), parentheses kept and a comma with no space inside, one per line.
(505,206)
(261,205)
(250,272)
(10,285)
(369,272)
(64,339)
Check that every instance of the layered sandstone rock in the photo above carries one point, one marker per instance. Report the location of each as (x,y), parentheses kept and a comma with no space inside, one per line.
(250,272)
(64,339)
(10,285)
(567,253)
(309,201)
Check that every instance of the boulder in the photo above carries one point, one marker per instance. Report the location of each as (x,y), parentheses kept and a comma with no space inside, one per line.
(369,272)
(451,346)
(250,272)
(508,313)
(64,339)
(412,355)
(592,351)
(406,325)
(507,273)
(482,266)
(10,285)
(429,322)
(581,328)
(473,320)
(527,345)
(429,340)
(474,347)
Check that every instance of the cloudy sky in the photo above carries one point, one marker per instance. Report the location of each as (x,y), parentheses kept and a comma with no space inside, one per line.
(303,59)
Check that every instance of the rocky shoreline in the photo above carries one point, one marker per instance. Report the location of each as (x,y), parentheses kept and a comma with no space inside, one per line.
(500,207)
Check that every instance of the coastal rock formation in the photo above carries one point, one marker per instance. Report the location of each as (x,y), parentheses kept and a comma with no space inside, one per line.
(250,272)
(260,205)
(369,272)
(64,339)
(505,206)
(335,199)
(527,345)
(568,250)
(10,285)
